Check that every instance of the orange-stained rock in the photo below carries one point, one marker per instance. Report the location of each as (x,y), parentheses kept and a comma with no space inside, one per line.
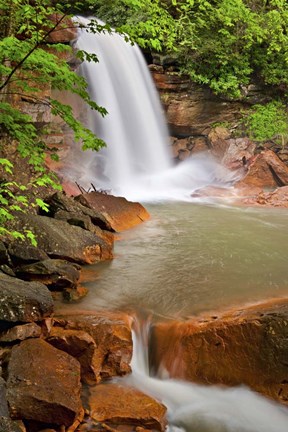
(43,383)
(120,213)
(118,405)
(266,170)
(111,333)
(82,346)
(246,346)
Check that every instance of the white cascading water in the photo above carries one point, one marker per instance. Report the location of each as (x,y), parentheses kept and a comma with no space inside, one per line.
(195,408)
(137,162)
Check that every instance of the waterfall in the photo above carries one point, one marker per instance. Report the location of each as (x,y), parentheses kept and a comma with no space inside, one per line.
(196,408)
(137,162)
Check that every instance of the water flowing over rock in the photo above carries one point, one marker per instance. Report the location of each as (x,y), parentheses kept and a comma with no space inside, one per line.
(43,383)
(246,346)
(23,301)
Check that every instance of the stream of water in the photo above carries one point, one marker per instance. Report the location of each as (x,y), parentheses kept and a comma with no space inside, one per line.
(192,256)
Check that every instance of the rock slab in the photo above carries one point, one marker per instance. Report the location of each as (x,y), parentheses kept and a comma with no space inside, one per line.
(118,405)
(43,384)
(120,213)
(246,346)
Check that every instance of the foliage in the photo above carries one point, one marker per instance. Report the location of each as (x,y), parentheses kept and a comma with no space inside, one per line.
(266,122)
(29,66)
(224,44)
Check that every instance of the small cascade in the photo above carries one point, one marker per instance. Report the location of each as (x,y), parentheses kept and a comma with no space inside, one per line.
(137,162)
(196,408)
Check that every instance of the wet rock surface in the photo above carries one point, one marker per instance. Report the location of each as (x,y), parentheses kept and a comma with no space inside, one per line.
(120,213)
(50,395)
(246,346)
(114,404)
(111,333)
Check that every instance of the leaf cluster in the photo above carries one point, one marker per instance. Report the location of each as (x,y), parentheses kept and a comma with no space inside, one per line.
(30,66)
(224,44)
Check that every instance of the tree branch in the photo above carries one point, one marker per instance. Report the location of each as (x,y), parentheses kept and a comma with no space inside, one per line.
(4,84)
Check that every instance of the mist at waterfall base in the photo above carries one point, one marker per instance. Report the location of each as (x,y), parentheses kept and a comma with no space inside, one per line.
(137,162)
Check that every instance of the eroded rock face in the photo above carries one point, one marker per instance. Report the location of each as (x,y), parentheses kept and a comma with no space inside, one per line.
(114,404)
(111,333)
(120,213)
(43,383)
(247,346)
(23,301)
(190,108)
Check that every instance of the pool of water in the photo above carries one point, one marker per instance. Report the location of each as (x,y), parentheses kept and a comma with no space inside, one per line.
(190,258)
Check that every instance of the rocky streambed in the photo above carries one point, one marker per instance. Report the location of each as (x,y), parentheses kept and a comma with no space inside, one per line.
(55,366)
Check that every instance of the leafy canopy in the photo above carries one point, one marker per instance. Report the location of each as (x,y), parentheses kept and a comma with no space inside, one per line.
(223,43)
(29,67)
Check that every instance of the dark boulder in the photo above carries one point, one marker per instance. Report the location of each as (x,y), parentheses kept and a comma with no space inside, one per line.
(58,239)
(23,301)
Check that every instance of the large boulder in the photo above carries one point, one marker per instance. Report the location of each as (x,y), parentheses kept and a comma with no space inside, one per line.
(43,384)
(23,301)
(246,346)
(120,213)
(58,239)
(114,404)
(265,170)
(111,333)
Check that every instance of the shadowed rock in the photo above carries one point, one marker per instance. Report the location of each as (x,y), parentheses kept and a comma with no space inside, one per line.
(56,274)
(23,301)
(43,383)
